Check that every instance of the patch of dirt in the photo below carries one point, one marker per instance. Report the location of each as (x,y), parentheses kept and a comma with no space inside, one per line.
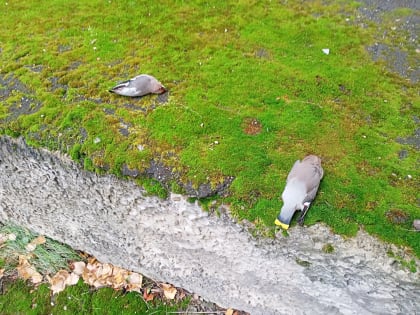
(251,126)
(388,48)
(8,84)
(413,140)
(397,216)
(27,105)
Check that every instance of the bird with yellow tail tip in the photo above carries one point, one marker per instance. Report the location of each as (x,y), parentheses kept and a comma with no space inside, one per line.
(301,187)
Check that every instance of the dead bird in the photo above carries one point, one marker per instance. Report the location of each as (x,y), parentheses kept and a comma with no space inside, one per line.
(301,186)
(140,85)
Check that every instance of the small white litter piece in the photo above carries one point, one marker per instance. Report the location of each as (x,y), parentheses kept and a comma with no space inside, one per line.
(326,51)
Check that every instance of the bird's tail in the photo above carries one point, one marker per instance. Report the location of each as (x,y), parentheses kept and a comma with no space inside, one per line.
(281,224)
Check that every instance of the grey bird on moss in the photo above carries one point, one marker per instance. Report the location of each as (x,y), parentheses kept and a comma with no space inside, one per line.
(301,187)
(140,85)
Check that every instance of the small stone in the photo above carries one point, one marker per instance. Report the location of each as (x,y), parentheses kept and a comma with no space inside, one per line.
(416,224)
(96,140)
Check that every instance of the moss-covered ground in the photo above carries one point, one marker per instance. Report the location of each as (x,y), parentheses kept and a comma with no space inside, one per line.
(20,298)
(251,91)
(21,257)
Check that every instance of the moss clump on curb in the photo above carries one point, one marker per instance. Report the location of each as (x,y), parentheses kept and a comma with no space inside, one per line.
(410,265)
(328,248)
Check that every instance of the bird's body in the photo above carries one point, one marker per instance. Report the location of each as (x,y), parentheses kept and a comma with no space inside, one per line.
(140,85)
(301,188)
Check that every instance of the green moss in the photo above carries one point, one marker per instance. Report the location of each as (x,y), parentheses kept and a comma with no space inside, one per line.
(21,298)
(75,153)
(302,263)
(47,258)
(153,187)
(224,63)
(410,265)
(328,248)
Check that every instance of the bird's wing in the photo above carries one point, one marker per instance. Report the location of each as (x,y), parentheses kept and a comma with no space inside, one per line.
(311,194)
(309,174)
(141,83)
(122,84)
(313,176)
(294,171)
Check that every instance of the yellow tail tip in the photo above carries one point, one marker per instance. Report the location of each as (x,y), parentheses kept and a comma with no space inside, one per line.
(282,225)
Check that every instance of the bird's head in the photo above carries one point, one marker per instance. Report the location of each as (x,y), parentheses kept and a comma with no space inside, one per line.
(161,90)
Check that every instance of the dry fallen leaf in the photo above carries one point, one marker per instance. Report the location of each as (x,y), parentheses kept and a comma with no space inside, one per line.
(39,240)
(104,271)
(119,279)
(98,275)
(30,247)
(92,260)
(27,271)
(58,281)
(148,296)
(36,241)
(3,238)
(98,284)
(134,282)
(36,278)
(229,311)
(78,267)
(1,273)
(169,291)
(72,279)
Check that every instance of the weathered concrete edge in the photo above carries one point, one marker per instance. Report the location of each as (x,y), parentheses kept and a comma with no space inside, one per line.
(172,240)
